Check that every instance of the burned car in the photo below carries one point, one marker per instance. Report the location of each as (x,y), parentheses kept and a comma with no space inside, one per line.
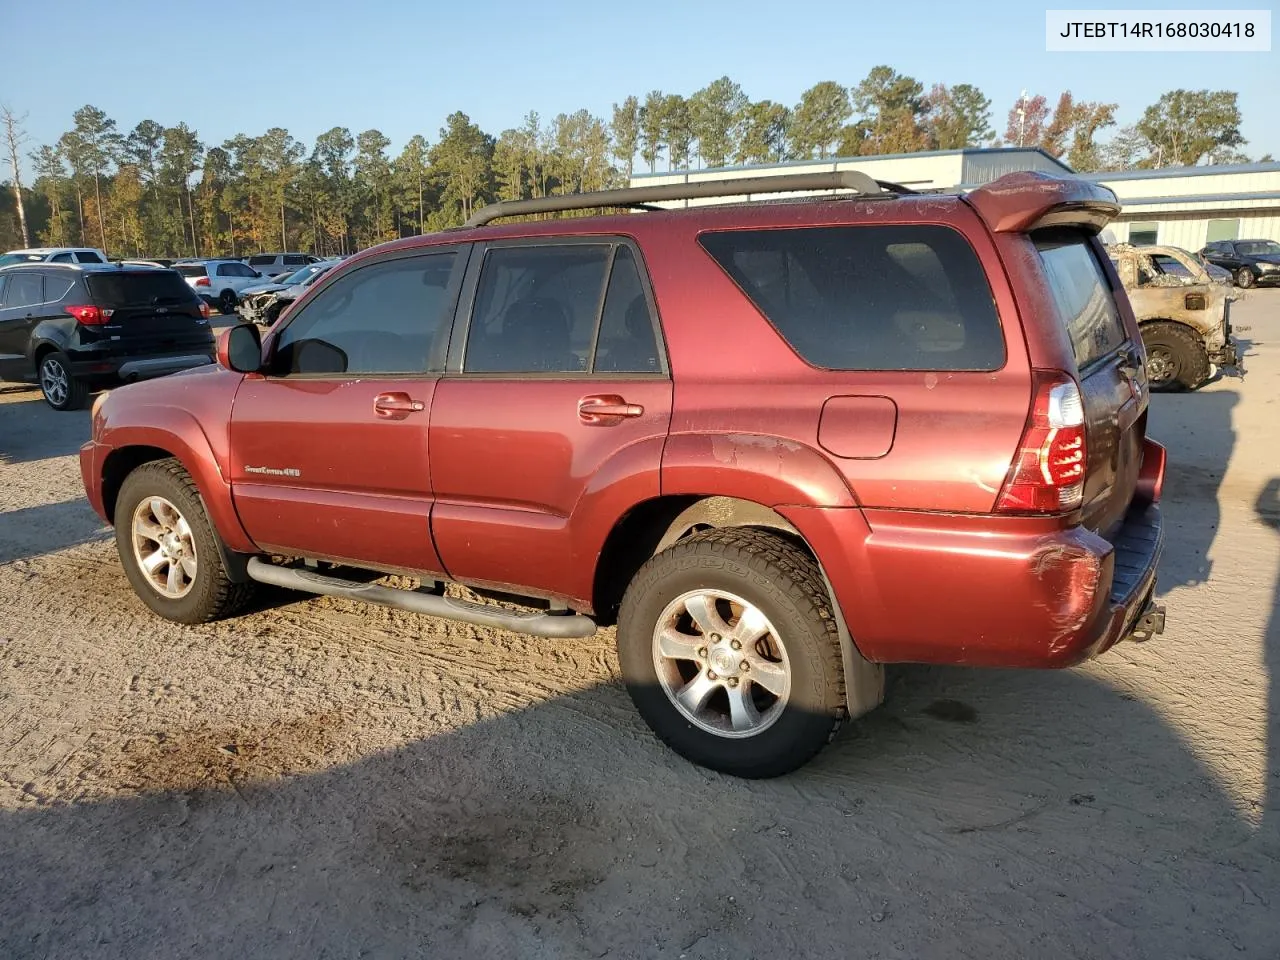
(1182,311)
(264,303)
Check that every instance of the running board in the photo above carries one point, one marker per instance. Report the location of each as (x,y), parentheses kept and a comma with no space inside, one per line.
(556,626)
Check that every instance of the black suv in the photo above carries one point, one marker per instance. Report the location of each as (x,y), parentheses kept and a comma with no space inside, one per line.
(1250,261)
(75,328)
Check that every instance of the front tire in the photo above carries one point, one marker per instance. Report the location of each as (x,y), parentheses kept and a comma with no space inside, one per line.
(730,652)
(1176,358)
(1244,278)
(60,389)
(170,551)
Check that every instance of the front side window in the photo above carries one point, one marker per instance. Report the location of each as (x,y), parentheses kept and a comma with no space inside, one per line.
(536,309)
(903,297)
(88,256)
(383,318)
(61,258)
(294,260)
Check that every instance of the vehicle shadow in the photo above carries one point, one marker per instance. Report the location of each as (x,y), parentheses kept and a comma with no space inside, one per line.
(980,814)
(30,532)
(1197,429)
(35,431)
(1267,510)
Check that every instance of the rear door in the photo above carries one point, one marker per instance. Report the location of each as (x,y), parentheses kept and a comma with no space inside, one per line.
(152,312)
(329,448)
(23,295)
(1112,375)
(552,418)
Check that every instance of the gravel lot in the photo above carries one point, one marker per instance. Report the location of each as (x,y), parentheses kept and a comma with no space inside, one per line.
(322,779)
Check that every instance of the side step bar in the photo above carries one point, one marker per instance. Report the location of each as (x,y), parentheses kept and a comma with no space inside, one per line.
(556,626)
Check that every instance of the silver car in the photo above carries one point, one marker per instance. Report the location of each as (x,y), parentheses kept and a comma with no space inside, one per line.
(219,281)
(263,303)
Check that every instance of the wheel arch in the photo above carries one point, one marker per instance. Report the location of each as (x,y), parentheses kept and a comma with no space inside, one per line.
(653,526)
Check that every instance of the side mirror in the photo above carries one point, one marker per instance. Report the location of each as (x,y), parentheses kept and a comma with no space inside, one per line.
(258,274)
(240,348)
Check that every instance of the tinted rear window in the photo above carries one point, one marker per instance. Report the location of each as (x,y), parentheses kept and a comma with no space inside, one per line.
(911,297)
(1083,297)
(130,288)
(192,269)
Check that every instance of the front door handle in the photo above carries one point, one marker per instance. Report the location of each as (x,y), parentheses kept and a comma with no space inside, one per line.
(606,408)
(396,406)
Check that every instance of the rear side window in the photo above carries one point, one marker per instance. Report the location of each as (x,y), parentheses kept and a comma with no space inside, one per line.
(536,309)
(192,269)
(55,288)
(88,256)
(130,288)
(61,258)
(1083,297)
(261,261)
(25,290)
(902,297)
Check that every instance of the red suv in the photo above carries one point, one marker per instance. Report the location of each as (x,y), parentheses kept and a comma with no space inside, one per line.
(778,444)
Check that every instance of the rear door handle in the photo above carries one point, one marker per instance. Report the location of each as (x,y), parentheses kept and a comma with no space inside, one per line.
(606,408)
(396,406)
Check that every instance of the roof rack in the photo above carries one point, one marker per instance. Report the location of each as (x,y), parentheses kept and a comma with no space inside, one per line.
(643,197)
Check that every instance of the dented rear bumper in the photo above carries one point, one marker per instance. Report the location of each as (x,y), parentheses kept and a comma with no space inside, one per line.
(991,591)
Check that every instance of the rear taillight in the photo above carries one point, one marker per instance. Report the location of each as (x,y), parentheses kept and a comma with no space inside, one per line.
(202,282)
(205,311)
(90,315)
(1047,473)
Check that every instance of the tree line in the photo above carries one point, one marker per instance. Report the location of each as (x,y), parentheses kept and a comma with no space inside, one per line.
(160,191)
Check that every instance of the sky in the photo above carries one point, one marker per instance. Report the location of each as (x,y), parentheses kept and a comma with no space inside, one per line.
(242,67)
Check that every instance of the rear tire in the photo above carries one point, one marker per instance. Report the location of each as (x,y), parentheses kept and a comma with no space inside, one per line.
(761,708)
(1176,358)
(1244,278)
(227,301)
(60,389)
(161,522)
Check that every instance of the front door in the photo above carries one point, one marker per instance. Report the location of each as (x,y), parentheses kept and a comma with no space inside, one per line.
(552,418)
(329,449)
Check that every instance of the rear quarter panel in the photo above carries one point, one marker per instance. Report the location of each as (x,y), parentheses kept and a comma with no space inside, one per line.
(736,377)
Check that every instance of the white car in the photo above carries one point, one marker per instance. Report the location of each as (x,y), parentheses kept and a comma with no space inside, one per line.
(218,281)
(53,255)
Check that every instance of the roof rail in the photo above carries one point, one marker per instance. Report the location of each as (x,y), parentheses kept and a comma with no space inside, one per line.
(641,197)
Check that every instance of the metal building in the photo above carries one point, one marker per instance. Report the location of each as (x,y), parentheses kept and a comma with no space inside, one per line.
(1178,206)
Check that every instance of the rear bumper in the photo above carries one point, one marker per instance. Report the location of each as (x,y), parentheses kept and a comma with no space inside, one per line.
(990,591)
(104,369)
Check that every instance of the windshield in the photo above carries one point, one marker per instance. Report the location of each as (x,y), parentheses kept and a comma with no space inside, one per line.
(298,276)
(11,258)
(136,287)
(319,272)
(1254,248)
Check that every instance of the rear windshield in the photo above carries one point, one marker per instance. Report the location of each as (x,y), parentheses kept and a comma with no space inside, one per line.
(134,288)
(903,297)
(1083,297)
(192,269)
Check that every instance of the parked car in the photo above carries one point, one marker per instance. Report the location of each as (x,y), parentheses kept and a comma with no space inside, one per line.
(1183,313)
(1187,266)
(218,281)
(53,255)
(75,328)
(1250,261)
(274,264)
(263,303)
(777,444)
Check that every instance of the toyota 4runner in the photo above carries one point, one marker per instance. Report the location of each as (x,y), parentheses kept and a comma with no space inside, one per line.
(779,444)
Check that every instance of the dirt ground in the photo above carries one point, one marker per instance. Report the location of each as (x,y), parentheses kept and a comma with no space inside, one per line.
(320,779)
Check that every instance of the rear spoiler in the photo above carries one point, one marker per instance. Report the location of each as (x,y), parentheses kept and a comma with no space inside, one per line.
(1030,200)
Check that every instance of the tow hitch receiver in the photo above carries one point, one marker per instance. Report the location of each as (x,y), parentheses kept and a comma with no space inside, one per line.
(1149,624)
